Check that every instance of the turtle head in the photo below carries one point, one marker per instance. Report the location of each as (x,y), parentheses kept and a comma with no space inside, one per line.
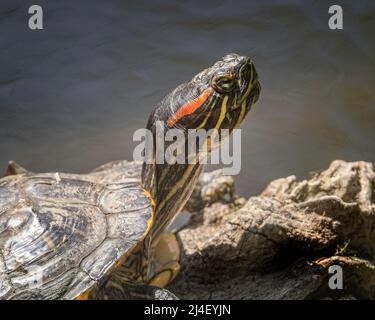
(233,83)
(218,97)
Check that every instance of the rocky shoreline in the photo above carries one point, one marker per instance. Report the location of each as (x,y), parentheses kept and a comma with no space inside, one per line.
(282,243)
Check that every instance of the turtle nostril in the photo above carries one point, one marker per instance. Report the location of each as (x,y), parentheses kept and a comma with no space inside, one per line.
(247,60)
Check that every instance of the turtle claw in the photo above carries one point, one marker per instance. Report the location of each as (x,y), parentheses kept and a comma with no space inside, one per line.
(163,294)
(134,291)
(14,168)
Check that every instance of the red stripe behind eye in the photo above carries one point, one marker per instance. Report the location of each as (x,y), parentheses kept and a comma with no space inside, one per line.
(189,107)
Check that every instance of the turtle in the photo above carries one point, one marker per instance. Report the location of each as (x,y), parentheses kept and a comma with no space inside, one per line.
(102,235)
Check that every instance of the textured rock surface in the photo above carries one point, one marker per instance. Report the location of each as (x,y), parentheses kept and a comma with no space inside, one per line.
(281,244)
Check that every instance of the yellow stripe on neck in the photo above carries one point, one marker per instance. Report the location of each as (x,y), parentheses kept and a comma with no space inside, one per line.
(223,111)
(242,114)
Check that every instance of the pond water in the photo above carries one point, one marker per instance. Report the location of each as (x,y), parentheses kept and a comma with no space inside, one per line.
(72,95)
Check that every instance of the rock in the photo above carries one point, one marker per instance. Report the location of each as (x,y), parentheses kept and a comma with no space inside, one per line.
(281,244)
(211,187)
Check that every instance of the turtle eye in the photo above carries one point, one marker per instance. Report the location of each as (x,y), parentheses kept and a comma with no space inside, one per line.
(223,84)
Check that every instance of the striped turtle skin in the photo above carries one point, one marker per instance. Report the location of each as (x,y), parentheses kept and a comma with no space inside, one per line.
(98,235)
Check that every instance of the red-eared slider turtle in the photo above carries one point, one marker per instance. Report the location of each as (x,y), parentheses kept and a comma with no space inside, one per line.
(100,235)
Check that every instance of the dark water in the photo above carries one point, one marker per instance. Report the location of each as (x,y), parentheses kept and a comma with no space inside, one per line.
(72,95)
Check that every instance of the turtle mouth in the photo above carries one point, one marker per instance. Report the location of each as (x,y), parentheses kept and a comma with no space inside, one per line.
(251,95)
(255,92)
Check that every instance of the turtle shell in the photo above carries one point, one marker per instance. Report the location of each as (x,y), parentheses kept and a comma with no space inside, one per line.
(61,234)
